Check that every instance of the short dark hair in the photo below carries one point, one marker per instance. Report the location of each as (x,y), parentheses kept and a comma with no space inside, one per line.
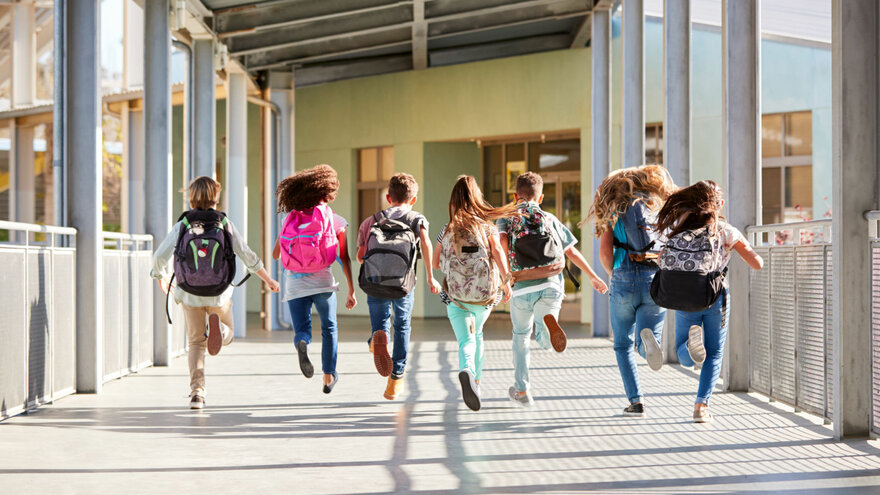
(529,185)
(402,187)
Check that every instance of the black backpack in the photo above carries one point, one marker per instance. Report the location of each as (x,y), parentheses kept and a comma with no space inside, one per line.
(204,262)
(690,277)
(389,267)
(642,240)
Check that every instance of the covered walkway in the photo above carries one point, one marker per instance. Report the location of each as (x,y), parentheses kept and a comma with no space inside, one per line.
(268,428)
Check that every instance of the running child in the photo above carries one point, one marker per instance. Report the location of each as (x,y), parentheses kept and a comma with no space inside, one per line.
(389,245)
(537,244)
(469,253)
(204,279)
(692,279)
(623,212)
(311,239)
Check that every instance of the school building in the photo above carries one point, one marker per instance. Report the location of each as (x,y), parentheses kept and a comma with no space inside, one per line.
(112,106)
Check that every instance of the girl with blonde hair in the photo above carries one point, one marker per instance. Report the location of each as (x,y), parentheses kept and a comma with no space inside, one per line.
(623,212)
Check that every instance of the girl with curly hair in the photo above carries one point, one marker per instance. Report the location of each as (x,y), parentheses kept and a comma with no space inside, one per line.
(313,237)
(623,212)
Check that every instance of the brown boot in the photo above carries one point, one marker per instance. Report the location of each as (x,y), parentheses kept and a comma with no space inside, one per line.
(381,358)
(394,388)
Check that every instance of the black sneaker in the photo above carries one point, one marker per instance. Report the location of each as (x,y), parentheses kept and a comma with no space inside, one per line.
(305,365)
(469,390)
(636,410)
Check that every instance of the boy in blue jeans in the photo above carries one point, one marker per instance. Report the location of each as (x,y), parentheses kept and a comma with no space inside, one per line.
(539,290)
(402,195)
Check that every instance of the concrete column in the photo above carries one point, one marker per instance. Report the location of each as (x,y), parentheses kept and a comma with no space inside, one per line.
(59,119)
(84,139)
(855,117)
(204,109)
(741,34)
(133,198)
(157,152)
(133,45)
(22,197)
(677,113)
(236,181)
(633,27)
(281,93)
(601,126)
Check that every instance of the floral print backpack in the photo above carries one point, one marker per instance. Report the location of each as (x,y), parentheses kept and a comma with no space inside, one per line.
(471,274)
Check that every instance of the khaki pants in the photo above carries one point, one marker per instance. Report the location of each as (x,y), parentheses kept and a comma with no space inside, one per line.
(196,328)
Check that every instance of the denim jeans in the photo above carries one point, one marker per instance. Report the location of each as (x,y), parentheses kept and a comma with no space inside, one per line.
(301,314)
(525,311)
(632,309)
(714,322)
(470,345)
(380,319)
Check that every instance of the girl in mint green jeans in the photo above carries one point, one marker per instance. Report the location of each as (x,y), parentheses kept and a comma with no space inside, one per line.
(469,253)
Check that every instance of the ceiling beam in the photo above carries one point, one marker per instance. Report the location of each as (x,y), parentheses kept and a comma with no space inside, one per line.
(326,56)
(318,74)
(504,8)
(499,49)
(292,13)
(582,33)
(419,36)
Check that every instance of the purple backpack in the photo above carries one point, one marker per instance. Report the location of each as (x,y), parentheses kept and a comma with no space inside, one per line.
(204,262)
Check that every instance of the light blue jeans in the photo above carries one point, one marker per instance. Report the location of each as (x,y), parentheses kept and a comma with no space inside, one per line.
(714,322)
(632,309)
(470,344)
(526,311)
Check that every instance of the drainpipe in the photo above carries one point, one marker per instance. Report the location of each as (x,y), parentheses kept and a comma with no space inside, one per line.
(276,171)
(189,166)
(59,118)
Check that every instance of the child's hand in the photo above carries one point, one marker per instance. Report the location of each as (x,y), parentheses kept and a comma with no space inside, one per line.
(507,293)
(599,285)
(165,286)
(274,286)
(435,287)
(351,302)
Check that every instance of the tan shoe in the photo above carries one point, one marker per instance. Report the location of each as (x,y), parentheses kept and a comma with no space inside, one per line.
(394,388)
(702,415)
(557,335)
(215,335)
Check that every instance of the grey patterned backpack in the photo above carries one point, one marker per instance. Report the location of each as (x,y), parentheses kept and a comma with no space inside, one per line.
(690,277)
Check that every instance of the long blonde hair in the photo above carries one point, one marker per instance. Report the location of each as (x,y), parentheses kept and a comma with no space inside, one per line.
(650,184)
(470,212)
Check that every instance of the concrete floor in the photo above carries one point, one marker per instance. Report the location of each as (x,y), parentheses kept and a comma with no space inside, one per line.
(269,430)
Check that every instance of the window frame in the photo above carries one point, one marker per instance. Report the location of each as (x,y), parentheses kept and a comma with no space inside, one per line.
(377,185)
(785,162)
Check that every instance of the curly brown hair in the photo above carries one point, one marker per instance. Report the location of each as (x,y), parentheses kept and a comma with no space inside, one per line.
(307,189)
(650,184)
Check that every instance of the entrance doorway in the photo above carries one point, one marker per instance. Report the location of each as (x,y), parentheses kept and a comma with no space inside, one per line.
(557,160)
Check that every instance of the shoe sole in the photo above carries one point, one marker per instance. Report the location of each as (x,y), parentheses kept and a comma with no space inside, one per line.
(557,335)
(696,349)
(707,419)
(519,402)
(634,415)
(305,365)
(652,349)
(380,353)
(197,406)
(471,399)
(215,339)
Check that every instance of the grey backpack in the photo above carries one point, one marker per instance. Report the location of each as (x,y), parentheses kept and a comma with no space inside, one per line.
(389,268)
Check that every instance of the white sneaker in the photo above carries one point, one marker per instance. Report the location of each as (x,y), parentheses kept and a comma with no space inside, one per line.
(196,402)
(652,349)
(695,345)
(524,400)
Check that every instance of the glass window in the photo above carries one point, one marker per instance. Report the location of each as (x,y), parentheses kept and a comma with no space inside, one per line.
(799,133)
(494,173)
(771,136)
(515,165)
(654,144)
(555,156)
(771,195)
(375,168)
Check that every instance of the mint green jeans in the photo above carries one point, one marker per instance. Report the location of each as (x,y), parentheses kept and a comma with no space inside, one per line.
(468,328)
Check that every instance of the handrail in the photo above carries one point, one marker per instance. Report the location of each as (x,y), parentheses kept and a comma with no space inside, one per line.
(127,237)
(873,218)
(31,227)
(756,233)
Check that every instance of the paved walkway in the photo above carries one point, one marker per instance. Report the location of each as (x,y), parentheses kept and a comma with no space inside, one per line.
(269,430)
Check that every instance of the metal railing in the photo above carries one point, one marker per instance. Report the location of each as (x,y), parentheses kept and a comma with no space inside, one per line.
(128,303)
(790,315)
(873,218)
(37,329)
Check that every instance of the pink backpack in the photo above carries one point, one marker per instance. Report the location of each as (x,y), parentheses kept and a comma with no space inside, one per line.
(308,240)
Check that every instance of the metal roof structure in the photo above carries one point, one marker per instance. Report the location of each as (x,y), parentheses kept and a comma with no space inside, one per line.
(333,40)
